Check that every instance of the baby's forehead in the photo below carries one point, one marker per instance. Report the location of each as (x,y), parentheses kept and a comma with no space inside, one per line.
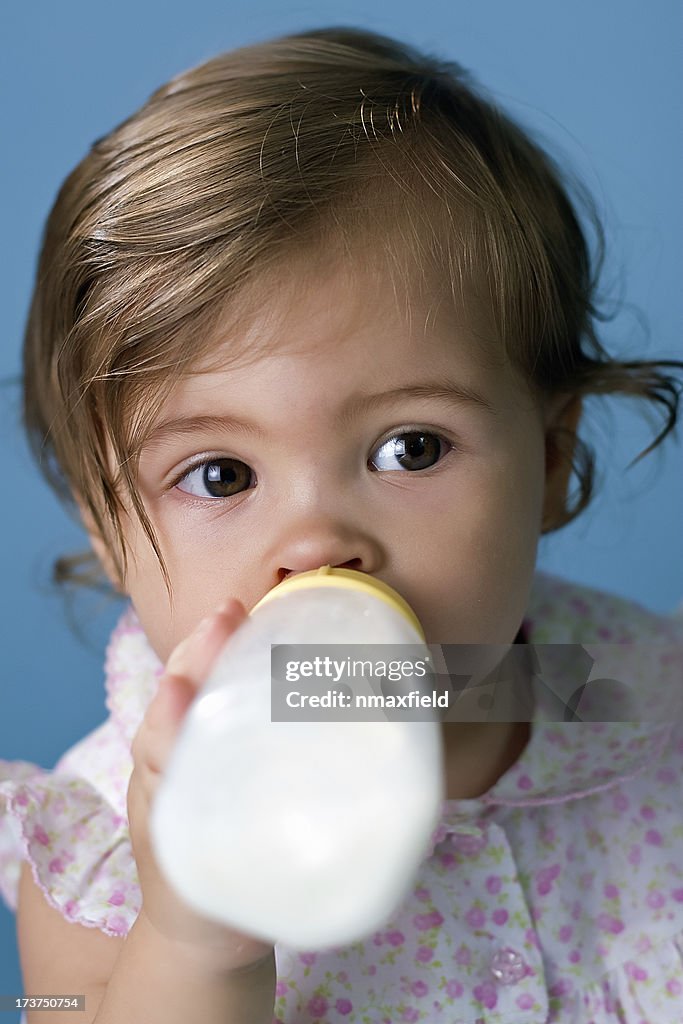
(318,353)
(309,304)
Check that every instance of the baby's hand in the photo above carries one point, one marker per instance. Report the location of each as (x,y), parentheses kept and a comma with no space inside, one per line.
(186,669)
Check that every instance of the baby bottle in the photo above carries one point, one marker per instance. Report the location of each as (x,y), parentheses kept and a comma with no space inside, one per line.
(305,826)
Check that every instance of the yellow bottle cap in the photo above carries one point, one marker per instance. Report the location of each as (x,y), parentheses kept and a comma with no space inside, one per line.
(349,579)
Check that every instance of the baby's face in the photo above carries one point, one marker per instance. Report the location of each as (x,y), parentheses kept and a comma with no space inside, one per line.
(347,444)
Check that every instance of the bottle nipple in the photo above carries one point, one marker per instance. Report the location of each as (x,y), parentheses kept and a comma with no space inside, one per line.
(350,579)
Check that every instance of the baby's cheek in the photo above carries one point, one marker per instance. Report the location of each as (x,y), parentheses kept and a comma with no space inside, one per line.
(477,591)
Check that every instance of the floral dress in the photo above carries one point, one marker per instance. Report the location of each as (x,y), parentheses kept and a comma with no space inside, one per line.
(554,898)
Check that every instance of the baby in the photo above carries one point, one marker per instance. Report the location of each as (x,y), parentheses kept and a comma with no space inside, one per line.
(319,302)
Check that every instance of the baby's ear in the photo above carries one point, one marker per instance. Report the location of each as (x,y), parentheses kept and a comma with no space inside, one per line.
(561,418)
(100,546)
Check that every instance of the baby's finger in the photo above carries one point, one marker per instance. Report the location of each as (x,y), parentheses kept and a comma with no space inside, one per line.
(192,659)
(187,668)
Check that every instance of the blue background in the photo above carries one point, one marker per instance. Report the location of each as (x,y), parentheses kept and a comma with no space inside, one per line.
(602,82)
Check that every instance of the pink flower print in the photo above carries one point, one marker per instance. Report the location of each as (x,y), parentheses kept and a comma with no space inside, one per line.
(611,892)
(56,866)
(524,782)
(343,1006)
(494,884)
(281,988)
(635,972)
(525,1001)
(665,775)
(424,954)
(317,1006)
(500,916)
(574,957)
(454,989)
(342,977)
(463,956)
(377,939)
(447,860)
(419,988)
(308,958)
(423,894)
(41,836)
(620,802)
(545,878)
(475,917)
(557,739)
(372,969)
(395,938)
(674,987)
(656,899)
(486,994)
(653,837)
(70,908)
(678,895)
(635,855)
(610,924)
(116,898)
(566,932)
(531,937)
(647,812)
(561,988)
(424,922)
(411,1015)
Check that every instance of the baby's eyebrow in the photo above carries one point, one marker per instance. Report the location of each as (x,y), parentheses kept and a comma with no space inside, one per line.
(443,389)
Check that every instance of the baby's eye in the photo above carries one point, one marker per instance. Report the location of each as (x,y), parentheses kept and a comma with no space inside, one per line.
(217,478)
(411,450)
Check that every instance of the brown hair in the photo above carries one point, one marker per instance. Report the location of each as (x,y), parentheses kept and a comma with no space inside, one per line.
(330,134)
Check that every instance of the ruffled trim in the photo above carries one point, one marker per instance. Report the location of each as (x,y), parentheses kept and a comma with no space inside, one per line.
(132,675)
(77,846)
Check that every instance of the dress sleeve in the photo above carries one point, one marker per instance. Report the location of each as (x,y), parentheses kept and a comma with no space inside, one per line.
(77,845)
(70,823)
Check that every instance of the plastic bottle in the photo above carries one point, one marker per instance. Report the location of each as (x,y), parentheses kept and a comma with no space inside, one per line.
(307,833)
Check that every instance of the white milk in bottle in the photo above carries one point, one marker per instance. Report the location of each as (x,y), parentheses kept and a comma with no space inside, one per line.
(307,833)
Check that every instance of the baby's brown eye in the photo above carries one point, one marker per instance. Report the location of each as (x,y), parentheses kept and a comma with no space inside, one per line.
(219,478)
(410,450)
